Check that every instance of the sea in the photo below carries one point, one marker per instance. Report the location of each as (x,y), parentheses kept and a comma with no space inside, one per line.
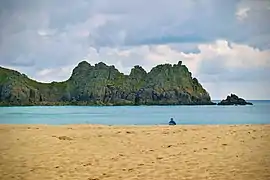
(259,113)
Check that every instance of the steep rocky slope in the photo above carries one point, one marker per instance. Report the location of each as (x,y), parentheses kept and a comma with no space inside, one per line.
(104,85)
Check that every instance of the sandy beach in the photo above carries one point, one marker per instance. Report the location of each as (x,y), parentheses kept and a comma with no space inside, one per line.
(95,152)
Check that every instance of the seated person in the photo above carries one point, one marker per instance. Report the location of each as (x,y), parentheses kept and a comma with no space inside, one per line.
(172,122)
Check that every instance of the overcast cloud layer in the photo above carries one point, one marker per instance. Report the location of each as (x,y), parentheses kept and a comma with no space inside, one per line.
(225,44)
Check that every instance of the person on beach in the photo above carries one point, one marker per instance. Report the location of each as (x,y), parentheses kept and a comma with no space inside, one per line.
(172,122)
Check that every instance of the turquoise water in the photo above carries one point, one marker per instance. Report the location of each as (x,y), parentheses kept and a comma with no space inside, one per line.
(139,115)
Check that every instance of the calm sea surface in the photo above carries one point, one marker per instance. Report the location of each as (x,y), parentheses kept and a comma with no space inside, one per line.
(259,113)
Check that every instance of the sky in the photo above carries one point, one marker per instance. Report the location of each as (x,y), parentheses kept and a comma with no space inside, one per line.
(225,44)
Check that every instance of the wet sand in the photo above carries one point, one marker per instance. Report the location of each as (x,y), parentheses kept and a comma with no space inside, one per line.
(93,152)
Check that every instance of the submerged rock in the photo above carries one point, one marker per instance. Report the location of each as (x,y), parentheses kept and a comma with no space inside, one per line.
(234,100)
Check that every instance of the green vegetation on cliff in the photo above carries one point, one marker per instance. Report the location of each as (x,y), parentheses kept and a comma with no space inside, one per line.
(104,85)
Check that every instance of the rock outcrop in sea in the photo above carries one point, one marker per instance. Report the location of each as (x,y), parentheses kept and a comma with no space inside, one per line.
(234,100)
(101,84)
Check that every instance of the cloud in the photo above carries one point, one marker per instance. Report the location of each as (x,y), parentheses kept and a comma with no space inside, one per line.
(228,40)
(213,59)
(242,13)
(252,26)
(54,74)
(247,90)
(215,65)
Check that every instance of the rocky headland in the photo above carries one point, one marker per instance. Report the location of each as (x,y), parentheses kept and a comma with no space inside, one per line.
(101,84)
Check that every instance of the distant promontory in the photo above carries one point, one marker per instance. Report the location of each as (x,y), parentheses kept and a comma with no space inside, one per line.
(101,84)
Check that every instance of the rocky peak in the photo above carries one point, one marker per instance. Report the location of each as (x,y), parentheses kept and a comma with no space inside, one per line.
(101,65)
(84,64)
(137,71)
(81,69)
(195,81)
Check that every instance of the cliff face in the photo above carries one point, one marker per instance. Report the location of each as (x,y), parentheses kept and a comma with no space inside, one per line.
(104,85)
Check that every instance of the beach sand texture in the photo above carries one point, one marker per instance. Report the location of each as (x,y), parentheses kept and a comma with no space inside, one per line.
(95,152)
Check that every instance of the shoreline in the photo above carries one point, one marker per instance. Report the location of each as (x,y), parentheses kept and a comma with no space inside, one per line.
(108,105)
(141,125)
(136,126)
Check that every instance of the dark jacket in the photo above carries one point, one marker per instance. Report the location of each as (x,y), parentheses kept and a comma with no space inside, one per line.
(172,122)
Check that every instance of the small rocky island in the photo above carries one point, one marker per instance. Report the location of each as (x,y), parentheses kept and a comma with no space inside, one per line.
(234,100)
